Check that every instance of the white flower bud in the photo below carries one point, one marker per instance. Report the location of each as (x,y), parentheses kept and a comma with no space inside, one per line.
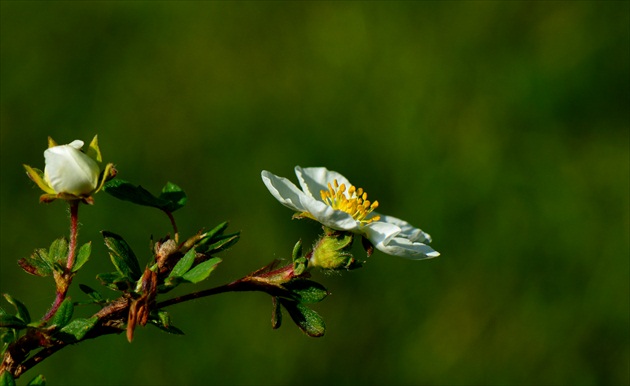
(68,170)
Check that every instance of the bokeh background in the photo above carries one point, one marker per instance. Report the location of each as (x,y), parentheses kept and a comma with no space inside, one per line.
(501,128)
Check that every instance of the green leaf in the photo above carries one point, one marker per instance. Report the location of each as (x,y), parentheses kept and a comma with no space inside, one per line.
(58,251)
(38,263)
(82,256)
(38,381)
(218,230)
(92,293)
(307,291)
(63,314)
(22,311)
(171,198)
(297,250)
(201,271)
(184,264)
(122,256)
(10,321)
(114,280)
(6,379)
(163,322)
(223,243)
(306,319)
(175,197)
(79,327)
(276,313)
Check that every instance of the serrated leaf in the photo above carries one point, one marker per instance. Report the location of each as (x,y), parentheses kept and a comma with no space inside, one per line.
(64,314)
(122,256)
(306,319)
(6,379)
(22,312)
(92,293)
(58,251)
(38,263)
(38,381)
(175,197)
(79,327)
(82,256)
(307,291)
(184,264)
(201,271)
(171,198)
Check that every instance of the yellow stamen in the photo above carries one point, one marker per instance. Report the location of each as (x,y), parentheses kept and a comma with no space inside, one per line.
(350,200)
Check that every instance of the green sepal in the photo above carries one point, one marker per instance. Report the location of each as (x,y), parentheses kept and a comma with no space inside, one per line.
(92,293)
(306,319)
(174,195)
(276,313)
(93,150)
(6,379)
(163,322)
(171,198)
(184,264)
(37,176)
(307,291)
(22,312)
(114,280)
(82,256)
(64,314)
(201,271)
(122,256)
(37,381)
(38,263)
(58,251)
(79,327)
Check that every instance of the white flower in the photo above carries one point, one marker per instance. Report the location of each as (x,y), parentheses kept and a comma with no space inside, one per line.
(70,173)
(329,198)
(68,170)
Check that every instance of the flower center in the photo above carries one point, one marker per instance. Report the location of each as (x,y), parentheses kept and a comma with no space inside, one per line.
(353,201)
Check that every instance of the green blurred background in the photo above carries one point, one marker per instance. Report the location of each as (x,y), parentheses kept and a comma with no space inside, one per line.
(501,128)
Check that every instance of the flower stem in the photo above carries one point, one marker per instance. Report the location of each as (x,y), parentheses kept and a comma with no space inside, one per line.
(74,228)
(63,282)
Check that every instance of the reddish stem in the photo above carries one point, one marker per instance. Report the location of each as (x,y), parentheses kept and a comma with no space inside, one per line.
(64,282)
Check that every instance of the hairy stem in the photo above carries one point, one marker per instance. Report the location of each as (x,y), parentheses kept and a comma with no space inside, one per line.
(64,282)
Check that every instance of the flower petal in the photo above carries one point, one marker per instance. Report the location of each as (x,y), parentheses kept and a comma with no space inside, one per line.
(284,191)
(380,233)
(68,170)
(407,230)
(326,215)
(402,247)
(314,180)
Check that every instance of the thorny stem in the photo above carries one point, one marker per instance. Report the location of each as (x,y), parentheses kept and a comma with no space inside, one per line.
(64,283)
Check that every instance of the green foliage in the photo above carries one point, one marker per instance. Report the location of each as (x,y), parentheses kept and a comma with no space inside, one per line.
(306,319)
(21,310)
(170,199)
(92,293)
(37,381)
(79,327)
(6,379)
(64,314)
(122,256)
(82,256)
(201,271)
